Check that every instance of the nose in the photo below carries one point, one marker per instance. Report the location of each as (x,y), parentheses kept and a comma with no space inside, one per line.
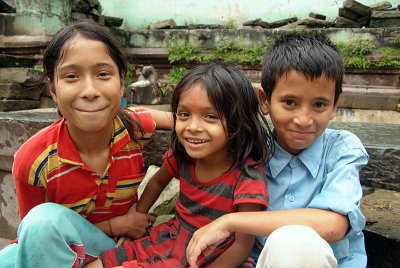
(303,118)
(194,124)
(89,90)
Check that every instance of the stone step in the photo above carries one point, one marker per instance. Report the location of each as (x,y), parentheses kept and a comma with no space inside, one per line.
(4,242)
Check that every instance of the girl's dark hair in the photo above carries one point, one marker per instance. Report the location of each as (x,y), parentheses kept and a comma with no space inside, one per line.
(54,52)
(309,53)
(235,100)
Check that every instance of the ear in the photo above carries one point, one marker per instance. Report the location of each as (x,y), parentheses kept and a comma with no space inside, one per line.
(263,102)
(122,90)
(52,90)
(335,108)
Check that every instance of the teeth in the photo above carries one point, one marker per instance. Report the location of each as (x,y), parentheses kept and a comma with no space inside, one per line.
(196,141)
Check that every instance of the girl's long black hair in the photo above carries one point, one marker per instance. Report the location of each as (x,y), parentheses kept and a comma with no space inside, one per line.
(235,99)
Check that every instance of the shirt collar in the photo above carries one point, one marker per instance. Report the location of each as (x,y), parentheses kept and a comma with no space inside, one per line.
(67,151)
(311,157)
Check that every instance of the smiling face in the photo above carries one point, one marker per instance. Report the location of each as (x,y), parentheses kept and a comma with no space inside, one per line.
(198,126)
(300,109)
(87,86)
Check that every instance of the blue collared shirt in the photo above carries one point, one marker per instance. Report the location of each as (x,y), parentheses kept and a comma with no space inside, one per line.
(324,176)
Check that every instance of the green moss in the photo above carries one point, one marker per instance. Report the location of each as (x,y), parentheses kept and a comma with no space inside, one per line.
(228,49)
(235,50)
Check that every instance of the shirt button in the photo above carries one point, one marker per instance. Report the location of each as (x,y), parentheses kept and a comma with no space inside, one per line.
(291,198)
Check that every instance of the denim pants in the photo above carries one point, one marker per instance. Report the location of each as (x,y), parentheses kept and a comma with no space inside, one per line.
(52,235)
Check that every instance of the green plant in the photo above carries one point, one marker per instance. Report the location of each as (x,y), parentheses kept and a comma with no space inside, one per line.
(356,47)
(130,73)
(395,42)
(176,74)
(227,49)
(38,69)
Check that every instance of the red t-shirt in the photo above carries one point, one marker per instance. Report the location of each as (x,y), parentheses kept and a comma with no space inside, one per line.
(48,168)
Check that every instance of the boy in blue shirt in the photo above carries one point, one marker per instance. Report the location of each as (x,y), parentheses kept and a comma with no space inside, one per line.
(314,217)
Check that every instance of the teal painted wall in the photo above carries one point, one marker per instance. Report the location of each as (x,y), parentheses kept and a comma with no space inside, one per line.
(139,14)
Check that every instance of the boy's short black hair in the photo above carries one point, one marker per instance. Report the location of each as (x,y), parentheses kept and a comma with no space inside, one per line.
(310,53)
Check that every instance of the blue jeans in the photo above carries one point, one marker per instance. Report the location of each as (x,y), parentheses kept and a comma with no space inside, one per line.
(52,235)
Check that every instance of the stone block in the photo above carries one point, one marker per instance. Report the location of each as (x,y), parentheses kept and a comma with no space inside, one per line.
(16,105)
(16,61)
(15,75)
(374,102)
(384,23)
(382,232)
(9,217)
(17,127)
(16,91)
(7,24)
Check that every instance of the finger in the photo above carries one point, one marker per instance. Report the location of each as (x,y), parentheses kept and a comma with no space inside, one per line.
(247,265)
(121,240)
(208,250)
(152,218)
(193,252)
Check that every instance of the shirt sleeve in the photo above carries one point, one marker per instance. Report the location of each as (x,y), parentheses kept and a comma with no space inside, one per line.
(251,188)
(145,119)
(28,195)
(342,190)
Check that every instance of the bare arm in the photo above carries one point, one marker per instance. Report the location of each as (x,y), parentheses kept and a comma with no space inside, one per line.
(153,189)
(134,223)
(237,253)
(163,119)
(330,225)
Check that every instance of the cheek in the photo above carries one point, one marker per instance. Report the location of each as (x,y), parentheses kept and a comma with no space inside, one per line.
(179,127)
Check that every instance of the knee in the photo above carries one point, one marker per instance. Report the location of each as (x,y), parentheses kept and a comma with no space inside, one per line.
(43,217)
(305,247)
(290,234)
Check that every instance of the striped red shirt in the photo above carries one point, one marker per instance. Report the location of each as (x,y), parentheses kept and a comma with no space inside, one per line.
(48,168)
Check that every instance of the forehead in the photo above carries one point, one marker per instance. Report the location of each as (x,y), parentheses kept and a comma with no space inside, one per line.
(297,83)
(81,47)
(195,97)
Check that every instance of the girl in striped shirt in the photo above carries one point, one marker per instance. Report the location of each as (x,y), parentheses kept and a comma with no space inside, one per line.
(218,148)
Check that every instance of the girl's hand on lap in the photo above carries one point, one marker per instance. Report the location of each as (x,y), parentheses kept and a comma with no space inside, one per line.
(137,224)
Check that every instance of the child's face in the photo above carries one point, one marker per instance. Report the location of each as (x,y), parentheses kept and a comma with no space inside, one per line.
(300,109)
(87,86)
(198,126)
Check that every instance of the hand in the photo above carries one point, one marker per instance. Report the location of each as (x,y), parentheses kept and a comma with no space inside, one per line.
(205,240)
(248,263)
(135,224)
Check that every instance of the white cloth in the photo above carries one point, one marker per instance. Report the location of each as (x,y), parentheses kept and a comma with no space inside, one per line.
(296,246)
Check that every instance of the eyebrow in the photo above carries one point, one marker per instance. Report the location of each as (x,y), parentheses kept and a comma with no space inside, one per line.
(100,64)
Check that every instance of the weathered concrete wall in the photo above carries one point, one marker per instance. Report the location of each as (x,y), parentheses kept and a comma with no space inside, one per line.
(43,17)
(139,14)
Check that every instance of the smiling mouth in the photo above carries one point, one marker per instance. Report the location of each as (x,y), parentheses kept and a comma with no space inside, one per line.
(90,111)
(196,141)
(302,133)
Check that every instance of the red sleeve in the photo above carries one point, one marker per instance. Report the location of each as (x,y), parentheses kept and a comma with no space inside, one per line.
(252,189)
(144,118)
(28,196)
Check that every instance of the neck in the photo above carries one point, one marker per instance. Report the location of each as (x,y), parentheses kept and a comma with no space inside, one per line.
(209,169)
(91,142)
